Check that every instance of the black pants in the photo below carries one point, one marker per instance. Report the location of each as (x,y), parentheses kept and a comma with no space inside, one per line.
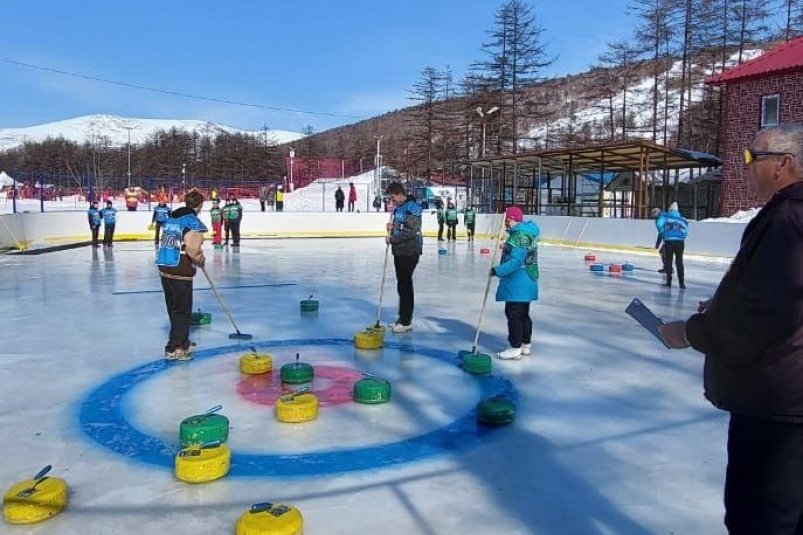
(519,324)
(235,231)
(440,231)
(157,231)
(95,232)
(227,231)
(405,265)
(470,230)
(178,298)
(279,206)
(674,249)
(351,206)
(262,205)
(339,206)
(763,490)
(108,234)
(451,231)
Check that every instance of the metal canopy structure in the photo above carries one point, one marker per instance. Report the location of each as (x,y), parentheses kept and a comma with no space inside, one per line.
(520,178)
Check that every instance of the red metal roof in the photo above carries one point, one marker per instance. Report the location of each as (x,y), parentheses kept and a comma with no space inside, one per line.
(787,57)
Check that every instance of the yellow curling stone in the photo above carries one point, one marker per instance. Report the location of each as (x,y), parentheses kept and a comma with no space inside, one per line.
(270,519)
(29,501)
(297,408)
(256,363)
(201,464)
(369,339)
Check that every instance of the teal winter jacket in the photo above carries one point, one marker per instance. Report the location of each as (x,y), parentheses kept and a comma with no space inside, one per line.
(518,269)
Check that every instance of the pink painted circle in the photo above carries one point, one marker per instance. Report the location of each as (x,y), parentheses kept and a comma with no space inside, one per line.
(332,385)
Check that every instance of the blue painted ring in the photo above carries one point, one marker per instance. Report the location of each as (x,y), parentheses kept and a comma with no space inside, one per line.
(102,418)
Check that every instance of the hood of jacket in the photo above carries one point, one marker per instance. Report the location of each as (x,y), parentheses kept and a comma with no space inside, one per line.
(528,227)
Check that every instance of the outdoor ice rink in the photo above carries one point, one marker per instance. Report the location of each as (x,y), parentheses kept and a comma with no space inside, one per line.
(612,436)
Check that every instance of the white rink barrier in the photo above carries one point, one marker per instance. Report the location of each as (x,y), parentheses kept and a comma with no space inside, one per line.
(51,229)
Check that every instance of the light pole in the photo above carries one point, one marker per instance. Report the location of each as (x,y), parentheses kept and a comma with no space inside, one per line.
(378,162)
(129,155)
(292,157)
(183,176)
(484,115)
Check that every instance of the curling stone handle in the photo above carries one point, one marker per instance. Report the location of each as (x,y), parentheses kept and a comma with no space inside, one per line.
(260,507)
(213,410)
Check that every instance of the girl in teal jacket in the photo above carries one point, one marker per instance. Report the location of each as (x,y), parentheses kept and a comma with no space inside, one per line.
(518,281)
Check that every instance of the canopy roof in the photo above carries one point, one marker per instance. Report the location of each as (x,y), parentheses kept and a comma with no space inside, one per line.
(634,156)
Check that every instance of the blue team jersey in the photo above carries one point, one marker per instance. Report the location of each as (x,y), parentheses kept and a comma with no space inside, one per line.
(169,254)
(94,217)
(161,214)
(109,215)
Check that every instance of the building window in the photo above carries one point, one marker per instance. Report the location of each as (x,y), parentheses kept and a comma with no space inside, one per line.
(770,110)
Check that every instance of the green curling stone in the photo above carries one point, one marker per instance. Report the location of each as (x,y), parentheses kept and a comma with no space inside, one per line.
(372,390)
(200,318)
(476,363)
(204,428)
(309,305)
(297,372)
(496,410)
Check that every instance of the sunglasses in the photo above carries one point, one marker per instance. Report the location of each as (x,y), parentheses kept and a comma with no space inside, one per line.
(751,155)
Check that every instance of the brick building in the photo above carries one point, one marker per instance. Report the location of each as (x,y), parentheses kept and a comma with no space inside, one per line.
(762,92)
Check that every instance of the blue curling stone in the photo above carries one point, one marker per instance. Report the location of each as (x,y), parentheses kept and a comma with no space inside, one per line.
(597,267)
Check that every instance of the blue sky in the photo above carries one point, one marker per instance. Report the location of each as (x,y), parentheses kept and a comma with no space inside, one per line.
(352,58)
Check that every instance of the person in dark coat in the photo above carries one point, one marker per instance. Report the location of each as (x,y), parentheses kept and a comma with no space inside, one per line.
(406,241)
(340,199)
(751,333)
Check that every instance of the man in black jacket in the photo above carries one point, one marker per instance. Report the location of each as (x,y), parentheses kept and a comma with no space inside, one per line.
(406,241)
(751,332)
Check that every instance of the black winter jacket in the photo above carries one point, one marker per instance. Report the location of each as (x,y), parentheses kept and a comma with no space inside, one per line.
(752,333)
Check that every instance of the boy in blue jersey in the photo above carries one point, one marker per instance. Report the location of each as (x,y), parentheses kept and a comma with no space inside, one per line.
(675,228)
(109,215)
(406,241)
(94,222)
(179,254)
(160,214)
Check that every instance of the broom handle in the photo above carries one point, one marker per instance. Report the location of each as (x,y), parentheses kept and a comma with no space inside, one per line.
(488,285)
(384,277)
(220,299)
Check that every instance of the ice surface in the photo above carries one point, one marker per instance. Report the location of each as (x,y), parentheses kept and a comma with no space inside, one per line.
(612,434)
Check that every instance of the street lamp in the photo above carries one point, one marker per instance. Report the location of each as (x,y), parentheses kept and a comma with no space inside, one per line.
(377,174)
(183,176)
(484,115)
(129,155)
(292,157)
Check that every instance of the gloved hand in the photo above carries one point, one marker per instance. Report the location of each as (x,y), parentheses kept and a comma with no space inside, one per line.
(492,273)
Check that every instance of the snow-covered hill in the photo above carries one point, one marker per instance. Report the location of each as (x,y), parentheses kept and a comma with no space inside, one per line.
(116,129)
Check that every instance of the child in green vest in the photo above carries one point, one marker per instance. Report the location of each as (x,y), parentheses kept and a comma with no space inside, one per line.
(469,220)
(217,220)
(451,221)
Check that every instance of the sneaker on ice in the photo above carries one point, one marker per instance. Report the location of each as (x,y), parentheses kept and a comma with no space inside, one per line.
(511,353)
(178,354)
(525,349)
(401,328)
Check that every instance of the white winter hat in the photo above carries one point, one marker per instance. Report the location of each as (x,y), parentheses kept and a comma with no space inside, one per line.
(673,207)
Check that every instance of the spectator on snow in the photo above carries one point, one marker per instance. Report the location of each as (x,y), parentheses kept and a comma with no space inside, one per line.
(272,197)
(280,199)
(674,228)
(340,199)
(405,239)
(179,253)
(751,333)
(109,215)
(263,197)
(518,281)
(94,221)
(352,196)
(377,204)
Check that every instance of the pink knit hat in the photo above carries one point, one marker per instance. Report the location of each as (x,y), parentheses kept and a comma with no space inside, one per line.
(514,213)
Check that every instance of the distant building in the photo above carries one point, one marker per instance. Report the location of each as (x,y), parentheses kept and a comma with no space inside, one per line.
(762,92)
